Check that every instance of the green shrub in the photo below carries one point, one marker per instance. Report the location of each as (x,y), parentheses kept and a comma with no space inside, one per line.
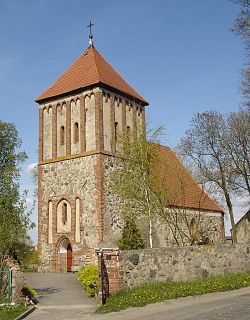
(29,268)
(29,292)
(131,237)
(33,259)
(88,278)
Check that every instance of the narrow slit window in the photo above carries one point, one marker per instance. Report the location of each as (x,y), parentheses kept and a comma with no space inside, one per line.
(116,131)
(129,132)
(76,132)
(62,135)
(64,213)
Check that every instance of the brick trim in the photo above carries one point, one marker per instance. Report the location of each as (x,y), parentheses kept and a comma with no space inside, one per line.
(114,270)
(75,156)
(82,124)
(39,209)
(40,142)
(68,128)
(54,131)
(73,220)
(143,122)
(124,121)
(99,197)
(134,120)
(99,120)
(112,124)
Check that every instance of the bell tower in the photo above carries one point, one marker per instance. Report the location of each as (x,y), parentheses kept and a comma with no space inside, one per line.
(80,116)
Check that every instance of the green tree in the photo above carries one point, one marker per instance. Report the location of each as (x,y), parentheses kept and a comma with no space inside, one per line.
(132,180)
(131,237)
(14,218)
(140,179)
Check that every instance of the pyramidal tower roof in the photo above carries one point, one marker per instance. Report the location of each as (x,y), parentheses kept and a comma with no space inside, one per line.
(88,70)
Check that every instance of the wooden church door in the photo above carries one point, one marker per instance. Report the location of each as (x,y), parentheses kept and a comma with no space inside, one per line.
(69,258)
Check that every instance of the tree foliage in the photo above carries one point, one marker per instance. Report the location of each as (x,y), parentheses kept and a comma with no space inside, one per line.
(131,237)
(14,219)
(242,28)
(132,180)
(237,148)
(141,182)
(217,147)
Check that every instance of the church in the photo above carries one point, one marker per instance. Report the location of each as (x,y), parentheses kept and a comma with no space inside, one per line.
(80,116)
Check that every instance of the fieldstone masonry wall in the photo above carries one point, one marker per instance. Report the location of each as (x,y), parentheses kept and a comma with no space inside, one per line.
(17,281)
(210,224)
(74,180)
(135,267)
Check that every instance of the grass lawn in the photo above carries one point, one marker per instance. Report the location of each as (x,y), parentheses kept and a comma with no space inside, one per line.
(12,312)
(160,291)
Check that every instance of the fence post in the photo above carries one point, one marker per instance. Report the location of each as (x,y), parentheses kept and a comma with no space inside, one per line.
(110,279)
(9,286)
(5,286)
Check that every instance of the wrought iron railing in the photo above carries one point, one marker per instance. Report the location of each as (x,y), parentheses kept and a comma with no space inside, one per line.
(104,280)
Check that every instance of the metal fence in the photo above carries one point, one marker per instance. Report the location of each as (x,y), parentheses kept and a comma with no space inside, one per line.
(5,286)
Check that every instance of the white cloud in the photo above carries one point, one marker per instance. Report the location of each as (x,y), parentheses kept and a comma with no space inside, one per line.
(29,201)
(31,167)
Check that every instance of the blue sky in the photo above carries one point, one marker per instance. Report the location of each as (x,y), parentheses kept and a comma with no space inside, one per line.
(180,55)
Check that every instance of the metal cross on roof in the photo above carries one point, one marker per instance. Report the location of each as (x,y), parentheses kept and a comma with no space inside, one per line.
(90,33)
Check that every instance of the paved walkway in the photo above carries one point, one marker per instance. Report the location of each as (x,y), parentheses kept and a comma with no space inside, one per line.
(60,296)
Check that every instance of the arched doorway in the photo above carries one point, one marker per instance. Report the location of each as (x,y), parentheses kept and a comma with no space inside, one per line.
(64,256)
(69,258)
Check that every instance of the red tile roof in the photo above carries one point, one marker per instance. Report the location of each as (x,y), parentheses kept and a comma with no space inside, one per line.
(89,69)
(182,190)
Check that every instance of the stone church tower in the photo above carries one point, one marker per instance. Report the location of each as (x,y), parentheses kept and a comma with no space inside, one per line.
(80,116)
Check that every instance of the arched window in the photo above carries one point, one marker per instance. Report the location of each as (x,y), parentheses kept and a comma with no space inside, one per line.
(62,135)
(64,213)
(63,216)
(76,132)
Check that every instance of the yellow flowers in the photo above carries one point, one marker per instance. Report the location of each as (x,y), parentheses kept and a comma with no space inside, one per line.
(160,291)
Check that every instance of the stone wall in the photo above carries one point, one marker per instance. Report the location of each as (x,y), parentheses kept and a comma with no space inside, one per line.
(210,227)
(182,263)
(243,230)
(127,269)
(17,281)
(113,205)
(74,182)
(210,224)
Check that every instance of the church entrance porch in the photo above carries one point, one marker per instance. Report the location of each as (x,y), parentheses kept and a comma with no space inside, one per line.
(64,259)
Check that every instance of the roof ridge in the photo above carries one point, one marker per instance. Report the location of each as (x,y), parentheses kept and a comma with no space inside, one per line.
(118,73)
(194,180)
(199,197)
(89,69)
(96,68)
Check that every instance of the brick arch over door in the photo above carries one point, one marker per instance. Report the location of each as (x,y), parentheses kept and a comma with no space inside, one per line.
(64,255)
